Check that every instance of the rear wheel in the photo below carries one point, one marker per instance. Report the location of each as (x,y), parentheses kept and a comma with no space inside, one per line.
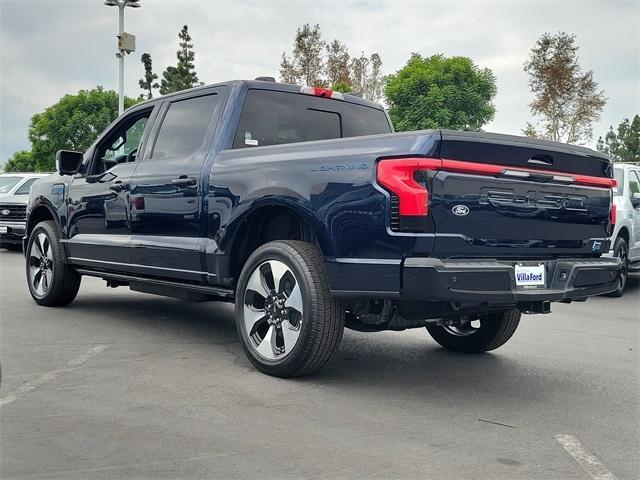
(287,321)
(52,282)
(479,333)
(621,251)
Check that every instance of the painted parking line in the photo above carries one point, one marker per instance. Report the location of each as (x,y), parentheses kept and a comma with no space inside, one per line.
(588,461)
(72,364)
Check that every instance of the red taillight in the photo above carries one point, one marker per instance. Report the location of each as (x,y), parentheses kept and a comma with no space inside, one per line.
(398,176)
(137,203)
(612,214)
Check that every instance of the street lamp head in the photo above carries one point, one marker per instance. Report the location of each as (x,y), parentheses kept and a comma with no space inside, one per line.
(125,3)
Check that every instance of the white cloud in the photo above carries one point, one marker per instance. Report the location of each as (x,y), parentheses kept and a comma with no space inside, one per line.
(49,48)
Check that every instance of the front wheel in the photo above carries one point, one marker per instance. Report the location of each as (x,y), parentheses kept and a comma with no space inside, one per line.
(52,282)
(478,333)
(287,321)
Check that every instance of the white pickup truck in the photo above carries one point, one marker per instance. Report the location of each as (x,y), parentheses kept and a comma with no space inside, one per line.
(625,240)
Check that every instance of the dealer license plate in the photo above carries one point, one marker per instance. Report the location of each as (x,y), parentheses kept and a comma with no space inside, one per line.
(530,276)
(3,229)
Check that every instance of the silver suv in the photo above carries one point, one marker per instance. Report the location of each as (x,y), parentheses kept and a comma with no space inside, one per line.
(625,240)
(14,195)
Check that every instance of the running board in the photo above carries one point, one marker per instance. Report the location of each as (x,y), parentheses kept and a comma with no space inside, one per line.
(186,291)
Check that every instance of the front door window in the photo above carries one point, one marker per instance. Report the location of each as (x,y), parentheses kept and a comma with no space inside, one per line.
(122,145)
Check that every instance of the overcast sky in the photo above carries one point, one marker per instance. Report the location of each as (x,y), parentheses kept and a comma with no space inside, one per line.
(52,47)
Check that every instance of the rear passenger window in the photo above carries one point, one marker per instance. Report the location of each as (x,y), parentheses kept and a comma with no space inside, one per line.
(184,127)
(275,118)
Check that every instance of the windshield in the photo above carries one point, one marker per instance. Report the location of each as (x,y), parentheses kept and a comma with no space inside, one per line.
(618,174)
(7,183)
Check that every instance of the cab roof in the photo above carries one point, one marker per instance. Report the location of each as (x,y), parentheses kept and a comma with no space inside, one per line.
(265,85)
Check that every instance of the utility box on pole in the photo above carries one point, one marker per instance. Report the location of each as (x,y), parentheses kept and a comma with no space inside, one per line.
(126,42)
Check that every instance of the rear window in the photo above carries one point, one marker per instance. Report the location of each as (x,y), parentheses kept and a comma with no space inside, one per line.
(276,118)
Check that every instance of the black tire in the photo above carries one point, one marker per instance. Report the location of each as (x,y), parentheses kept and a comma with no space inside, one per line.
(319,326)
(495,330)
(621,251)
(62,281)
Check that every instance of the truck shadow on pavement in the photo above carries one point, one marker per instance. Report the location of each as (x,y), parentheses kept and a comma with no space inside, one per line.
(408,366)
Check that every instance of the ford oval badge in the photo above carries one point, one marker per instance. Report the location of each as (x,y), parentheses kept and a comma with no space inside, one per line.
(460,210)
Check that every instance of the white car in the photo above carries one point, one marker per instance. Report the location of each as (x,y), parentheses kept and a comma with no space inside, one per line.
(625,241)
(14,196)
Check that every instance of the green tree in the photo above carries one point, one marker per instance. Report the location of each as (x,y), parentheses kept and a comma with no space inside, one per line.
(440,92)
(148,82)
(530,131)
(73,123)
(317,63)
(366,76)
(183,75)
(337,66)
(306,64)
(566,100)
(622,145)
(21,161)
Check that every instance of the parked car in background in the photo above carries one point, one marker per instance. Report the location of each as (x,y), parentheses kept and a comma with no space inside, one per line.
(14,196)
(625,241)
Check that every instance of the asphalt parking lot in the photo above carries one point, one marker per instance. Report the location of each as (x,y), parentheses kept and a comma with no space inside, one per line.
(128,385)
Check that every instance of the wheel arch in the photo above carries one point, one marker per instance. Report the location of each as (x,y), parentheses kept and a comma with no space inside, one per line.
(41,212)
(623,233)
(273,221)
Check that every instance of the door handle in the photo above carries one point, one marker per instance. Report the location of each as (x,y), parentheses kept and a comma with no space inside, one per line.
(119,187)
(183,181)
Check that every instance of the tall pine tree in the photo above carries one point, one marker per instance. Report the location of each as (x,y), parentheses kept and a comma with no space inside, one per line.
(148,82)
(183,75)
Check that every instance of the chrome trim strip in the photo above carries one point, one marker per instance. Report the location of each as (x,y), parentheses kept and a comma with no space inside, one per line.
(73,259)
(366,261)
(99,239)
(18,224)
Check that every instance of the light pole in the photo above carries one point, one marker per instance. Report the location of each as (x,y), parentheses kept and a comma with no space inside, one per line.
(126,44)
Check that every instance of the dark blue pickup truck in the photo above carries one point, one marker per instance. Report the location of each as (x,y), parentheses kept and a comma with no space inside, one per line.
(302,206)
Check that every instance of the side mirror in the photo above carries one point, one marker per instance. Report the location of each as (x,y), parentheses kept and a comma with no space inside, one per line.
(635,200)
(68,162)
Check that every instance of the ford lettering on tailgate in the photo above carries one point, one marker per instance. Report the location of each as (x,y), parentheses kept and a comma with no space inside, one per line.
(506,197)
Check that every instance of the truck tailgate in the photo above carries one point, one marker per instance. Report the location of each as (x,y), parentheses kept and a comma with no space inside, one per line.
(483,215)
(501,196)
(544,212)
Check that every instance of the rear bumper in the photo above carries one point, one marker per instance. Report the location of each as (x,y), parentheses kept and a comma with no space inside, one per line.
(469,280)
(494,280)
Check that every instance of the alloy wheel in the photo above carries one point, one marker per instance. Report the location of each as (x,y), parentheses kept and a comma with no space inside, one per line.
(40,265)
(622,255)
(464,329)
(273,310)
